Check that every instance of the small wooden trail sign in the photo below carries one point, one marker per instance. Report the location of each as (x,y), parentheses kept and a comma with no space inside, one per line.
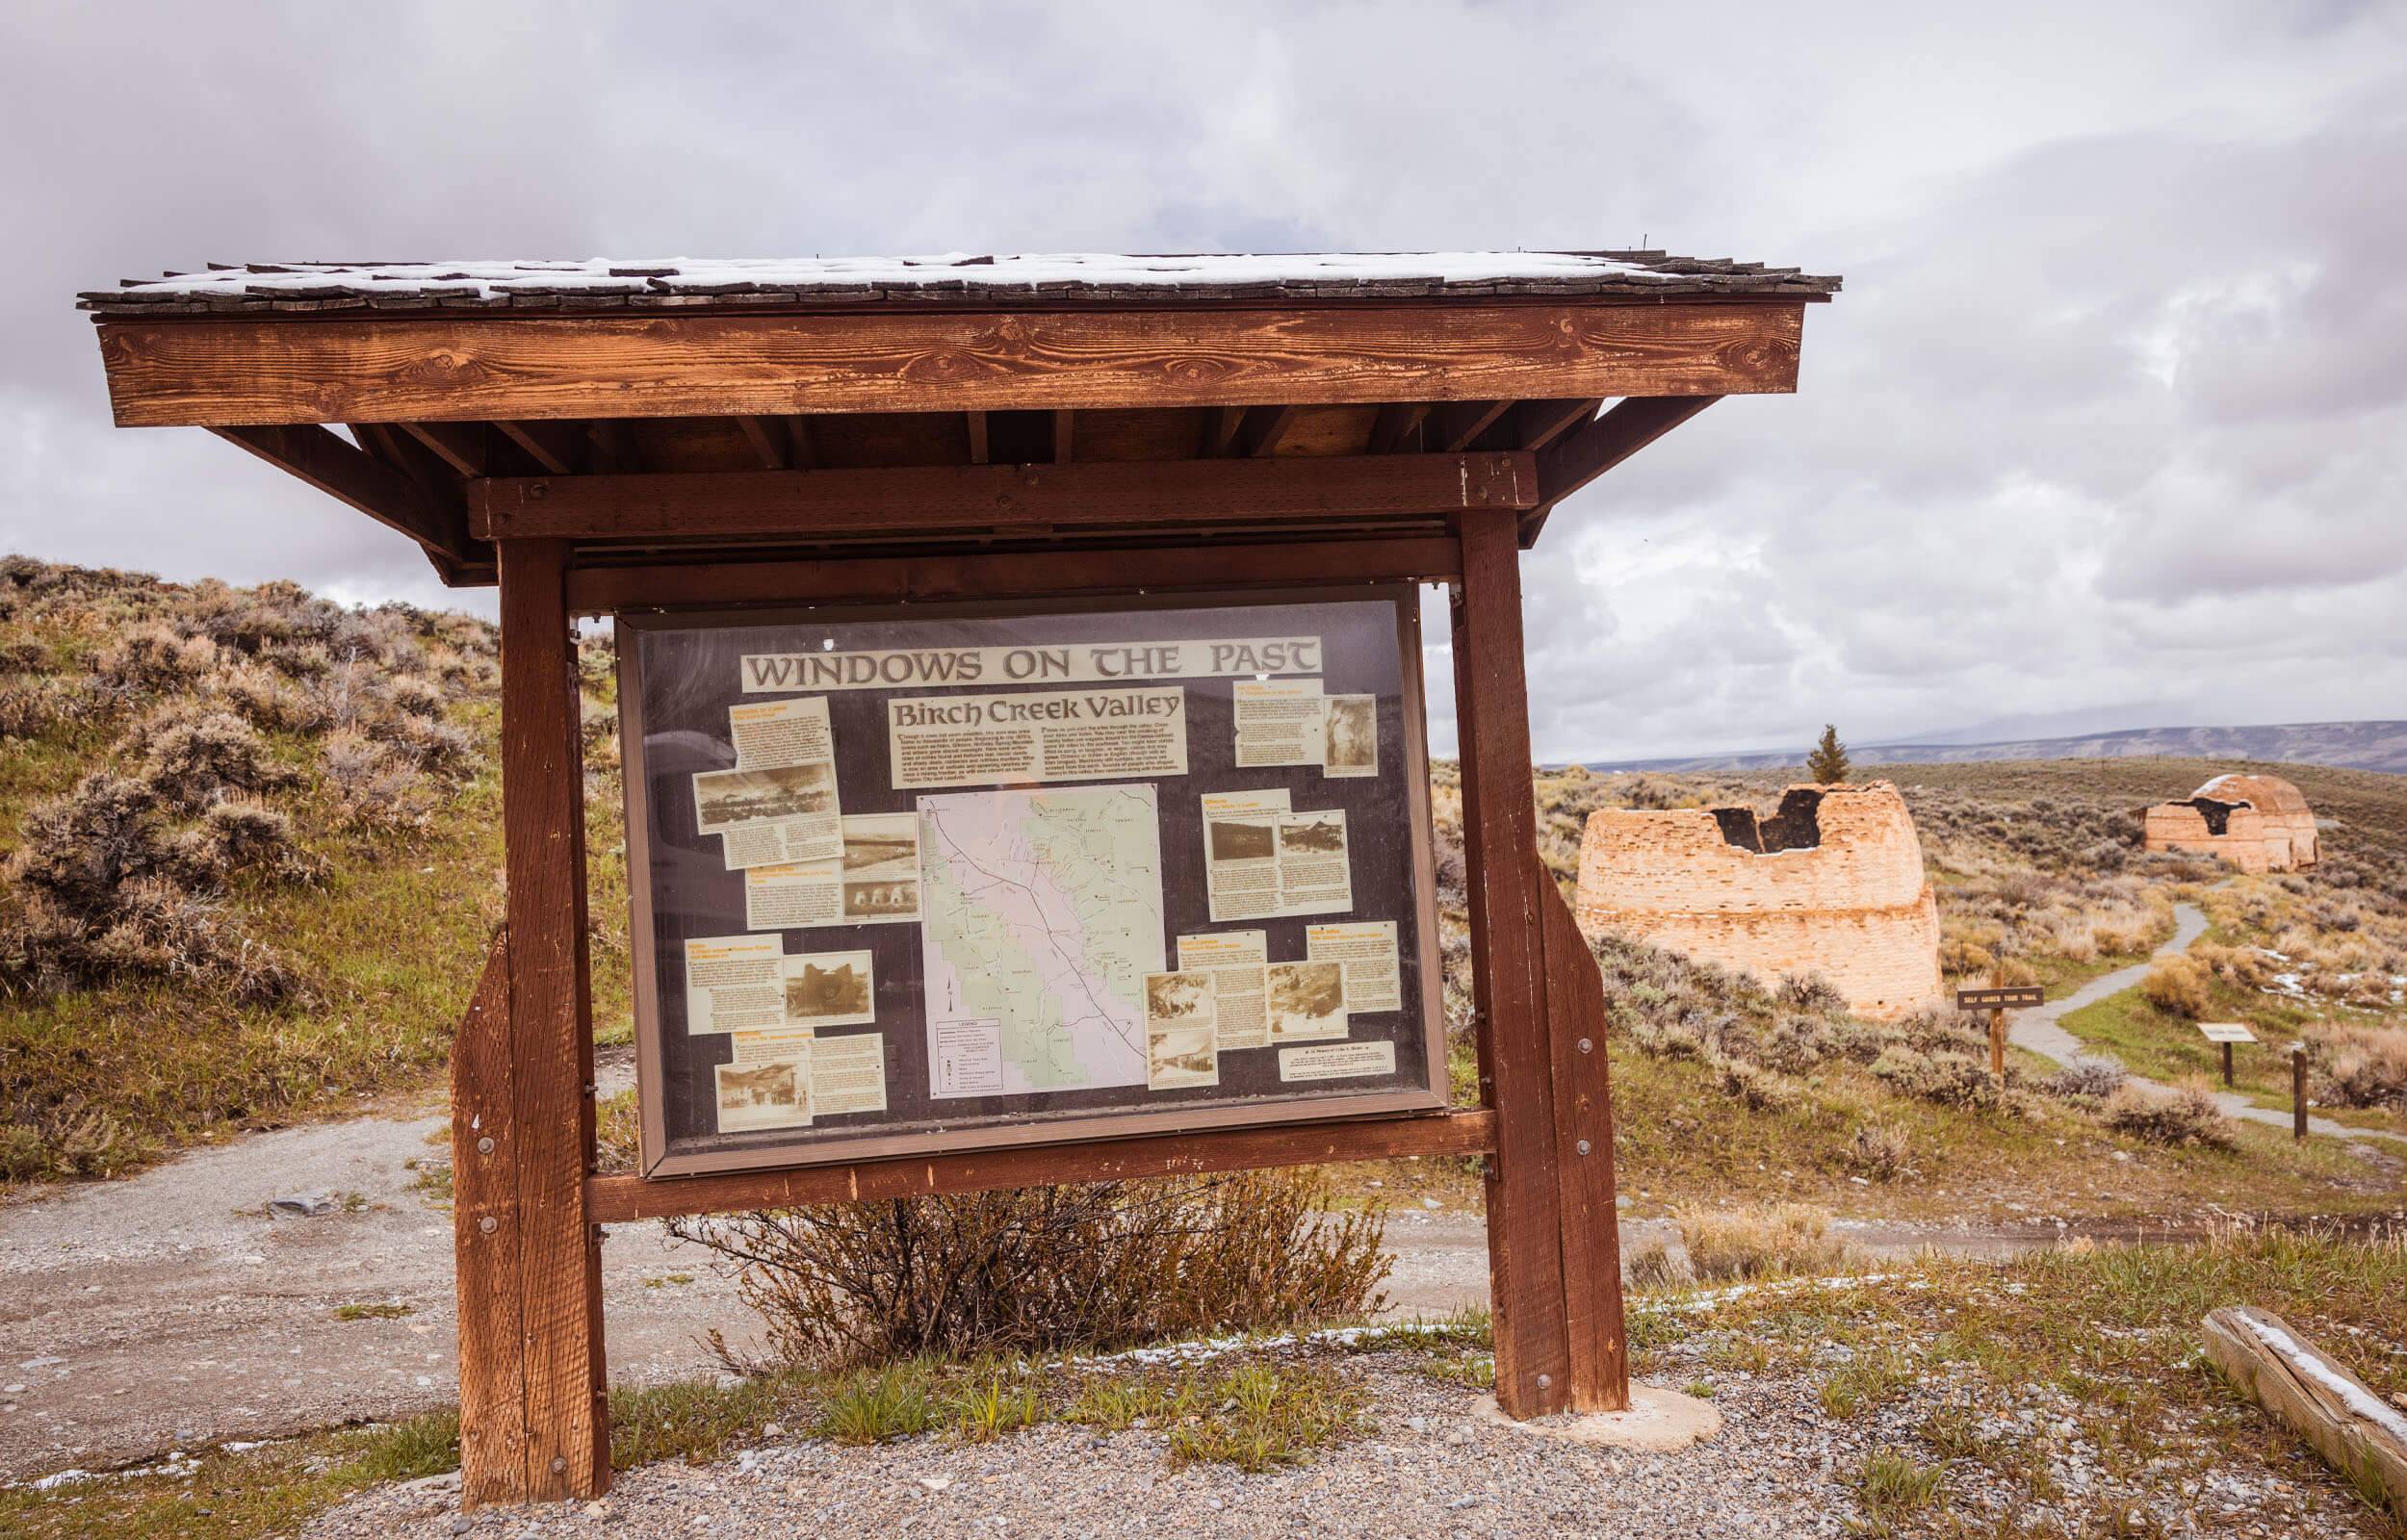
(2363,1437)
(2226,1033)
(2012,997)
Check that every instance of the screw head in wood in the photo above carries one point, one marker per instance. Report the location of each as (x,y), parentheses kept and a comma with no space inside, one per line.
(539,490)
(1544,1380)
(484,1145)
(559,1463)
(488,1224)
(1586,1046)
(1583,1146)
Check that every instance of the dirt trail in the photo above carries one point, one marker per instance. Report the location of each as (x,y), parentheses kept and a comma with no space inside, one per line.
(168,1309)
(2040,1031)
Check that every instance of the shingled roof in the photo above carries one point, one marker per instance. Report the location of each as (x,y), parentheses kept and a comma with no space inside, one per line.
(601,284)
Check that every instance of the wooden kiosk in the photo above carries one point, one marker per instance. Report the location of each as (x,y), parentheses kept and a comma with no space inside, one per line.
(1026,468)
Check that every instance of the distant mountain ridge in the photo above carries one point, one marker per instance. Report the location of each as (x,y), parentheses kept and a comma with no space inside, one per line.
(2345,745)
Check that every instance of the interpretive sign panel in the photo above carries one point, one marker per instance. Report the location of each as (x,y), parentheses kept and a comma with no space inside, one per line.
(939,878)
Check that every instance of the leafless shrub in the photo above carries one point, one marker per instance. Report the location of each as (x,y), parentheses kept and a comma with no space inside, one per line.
(1654,1264)
(373,787)
(1949,1078)
(2188,1115)
(437,746)
(416,697)
(1756,1087)
(1045,1267)
(264,700)
(1810,991)
(78,850)
(192,756)
(26,711)
(2086,1080)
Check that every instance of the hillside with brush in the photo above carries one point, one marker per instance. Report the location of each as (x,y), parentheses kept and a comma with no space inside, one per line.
(248,855)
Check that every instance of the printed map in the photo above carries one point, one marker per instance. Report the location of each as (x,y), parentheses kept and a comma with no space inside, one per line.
(1041,914)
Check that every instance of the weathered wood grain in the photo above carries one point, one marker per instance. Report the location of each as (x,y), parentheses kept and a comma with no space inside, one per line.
(485,1243)
(2365,1449)
(619,1200)
(470,367)
(1012,575)
(994,496)
(1583,1091)
(566,1431)
(1516,1069)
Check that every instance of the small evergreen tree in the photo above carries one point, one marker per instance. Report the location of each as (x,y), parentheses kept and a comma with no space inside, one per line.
(1827,763)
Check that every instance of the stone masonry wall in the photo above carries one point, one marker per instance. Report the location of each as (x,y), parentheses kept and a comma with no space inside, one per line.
(1854,908)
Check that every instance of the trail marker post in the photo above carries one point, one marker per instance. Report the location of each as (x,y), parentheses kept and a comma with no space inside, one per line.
(1998,999)
(809,450)
(2226,1033)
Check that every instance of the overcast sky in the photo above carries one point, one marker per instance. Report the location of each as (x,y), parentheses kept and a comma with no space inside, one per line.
(2107,427)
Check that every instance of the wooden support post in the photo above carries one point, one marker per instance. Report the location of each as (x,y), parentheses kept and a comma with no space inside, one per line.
(2226,1064)
(1525,1222)
(1591,1231)
(1997,1045)
(484,1239)
(2298,1090)
(536,1426)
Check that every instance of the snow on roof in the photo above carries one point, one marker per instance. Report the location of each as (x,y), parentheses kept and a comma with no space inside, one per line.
(606,283)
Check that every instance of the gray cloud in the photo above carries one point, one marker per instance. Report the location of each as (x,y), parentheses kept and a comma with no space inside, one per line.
(2109,416)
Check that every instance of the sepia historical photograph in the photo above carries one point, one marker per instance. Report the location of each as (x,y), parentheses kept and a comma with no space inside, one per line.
(829,989)
(1321,834)
(724,798)
(867,902)
(1352,724)
(1307,1000)
(776,1094)
(1235,840)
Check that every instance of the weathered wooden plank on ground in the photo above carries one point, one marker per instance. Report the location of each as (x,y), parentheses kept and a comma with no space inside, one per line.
(2363,1437)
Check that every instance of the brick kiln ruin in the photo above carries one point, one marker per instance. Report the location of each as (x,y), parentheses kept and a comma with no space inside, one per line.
(1831,883)
(2256,823)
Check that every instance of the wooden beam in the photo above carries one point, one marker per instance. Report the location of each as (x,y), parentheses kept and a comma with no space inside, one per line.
(357,478)
(1397,421)
(1453,426)
(977,436)
(1220,431)
(1576,1023)
(623,1200)
(567,1441)
(1572,463)
(553,446)
(614,448)
(998,497)
(801,443)
(2314,1394)
(1011,574)
(768,442)
(1535,424)
(1264,427)
(1064,424)
(461,445)
(1525,1222)
(338,367)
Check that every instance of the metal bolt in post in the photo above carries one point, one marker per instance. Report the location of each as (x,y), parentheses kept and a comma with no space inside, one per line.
(488,1224)
(1586,1046)
(1583,1146)
(1544,1380)
(484,1145)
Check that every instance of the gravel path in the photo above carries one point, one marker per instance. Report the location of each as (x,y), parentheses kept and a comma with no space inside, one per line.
(2040,1031)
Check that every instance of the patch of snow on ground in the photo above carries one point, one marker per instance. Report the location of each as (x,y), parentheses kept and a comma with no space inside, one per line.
(2360,1401)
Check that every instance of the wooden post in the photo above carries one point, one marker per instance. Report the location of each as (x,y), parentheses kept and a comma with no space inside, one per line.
(2298,1090)
(534,1420)
(1997,1027)
(1537,1264)
(2226,1064)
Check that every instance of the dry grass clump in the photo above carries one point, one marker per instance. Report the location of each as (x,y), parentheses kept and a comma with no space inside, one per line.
(2358,1067)
(1877,1152)
(2181,986)
(2085,1081)
(2188,1115)
(1049,1268)
(1778,1241)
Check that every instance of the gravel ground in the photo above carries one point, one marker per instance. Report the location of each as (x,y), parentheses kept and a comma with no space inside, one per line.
(1781,1467)
(1427,1469)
